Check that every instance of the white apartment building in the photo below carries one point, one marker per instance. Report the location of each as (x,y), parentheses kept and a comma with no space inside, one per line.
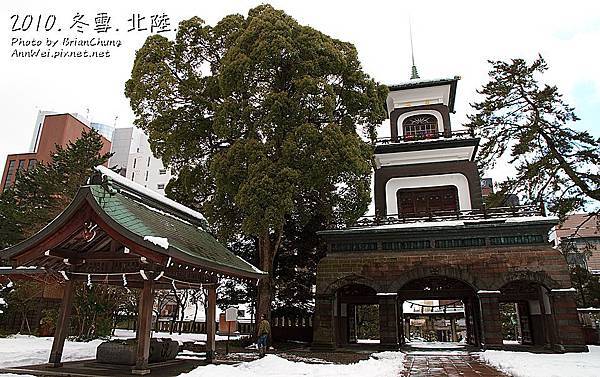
(133,156)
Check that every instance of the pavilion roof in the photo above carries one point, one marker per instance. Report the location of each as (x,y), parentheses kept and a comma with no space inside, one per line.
(136,216)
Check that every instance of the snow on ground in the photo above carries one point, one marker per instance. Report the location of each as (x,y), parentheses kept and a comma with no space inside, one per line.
(436,345)
(18,350)
(125,334)
(367,341)
(22,350)
(382,364)
(523,364)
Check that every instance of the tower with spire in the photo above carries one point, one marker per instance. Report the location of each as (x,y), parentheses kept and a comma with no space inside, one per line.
(425,166)
(432,239)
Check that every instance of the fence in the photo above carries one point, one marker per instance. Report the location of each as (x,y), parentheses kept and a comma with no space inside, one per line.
(282,328)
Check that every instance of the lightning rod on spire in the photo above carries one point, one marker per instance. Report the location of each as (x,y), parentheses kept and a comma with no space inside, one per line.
(414,73)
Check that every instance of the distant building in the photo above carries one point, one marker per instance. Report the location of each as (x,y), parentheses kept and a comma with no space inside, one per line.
(581,232)
(103,129)
(134,159)
(50,130)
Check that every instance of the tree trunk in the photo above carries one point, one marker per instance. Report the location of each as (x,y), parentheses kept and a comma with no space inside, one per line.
(157,323)
(265,254)
(181,318)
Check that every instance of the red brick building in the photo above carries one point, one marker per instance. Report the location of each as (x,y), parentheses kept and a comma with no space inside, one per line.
(581,232)
(57,129)
(432,239)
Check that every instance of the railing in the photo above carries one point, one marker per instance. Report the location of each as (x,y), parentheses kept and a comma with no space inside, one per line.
(438,216)
(464,134)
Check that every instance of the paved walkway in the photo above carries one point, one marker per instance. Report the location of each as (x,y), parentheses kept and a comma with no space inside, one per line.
(451,364)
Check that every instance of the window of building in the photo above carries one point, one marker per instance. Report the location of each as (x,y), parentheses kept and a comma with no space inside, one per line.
(21,165)
(146,175)
(426,201)
(132,175)
(32,163)
(9,174)
(162,171)
(422,126)
(577,259)
(134,162)
(160,186)
(148,161)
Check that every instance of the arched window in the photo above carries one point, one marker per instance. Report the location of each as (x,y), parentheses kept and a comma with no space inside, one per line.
(421,126)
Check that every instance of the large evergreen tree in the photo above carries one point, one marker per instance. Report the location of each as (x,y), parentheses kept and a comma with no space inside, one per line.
(528,124)
(258,118)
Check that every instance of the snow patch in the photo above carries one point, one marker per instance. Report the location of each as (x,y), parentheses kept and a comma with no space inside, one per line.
(524,364)
(453,223)
(19,350)
(382,364)
(158,241)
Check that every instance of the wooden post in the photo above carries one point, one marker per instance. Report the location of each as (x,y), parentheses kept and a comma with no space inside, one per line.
(210,322)
(62,326)
(144,328)
(400,321)
(453,329)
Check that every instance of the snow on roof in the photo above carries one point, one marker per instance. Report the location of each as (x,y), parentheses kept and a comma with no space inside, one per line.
(527,219)
(145,191)
(158,241)
(424,81)
(450,223)
(251,265)
(424,224)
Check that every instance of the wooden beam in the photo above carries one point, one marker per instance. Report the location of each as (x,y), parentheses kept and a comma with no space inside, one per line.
(210,322)
(144,328)
(139,249)
(62,326)
(68,230)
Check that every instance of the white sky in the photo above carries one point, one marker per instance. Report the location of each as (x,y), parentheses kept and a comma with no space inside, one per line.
(450,37)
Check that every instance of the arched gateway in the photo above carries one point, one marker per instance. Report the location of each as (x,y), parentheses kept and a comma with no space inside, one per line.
(433,241)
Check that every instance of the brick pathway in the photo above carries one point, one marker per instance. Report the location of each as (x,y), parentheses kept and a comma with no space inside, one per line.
(450,365)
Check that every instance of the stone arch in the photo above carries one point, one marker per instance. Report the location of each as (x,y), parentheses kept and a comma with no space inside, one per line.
(352,279)
(540,277)
(425,272)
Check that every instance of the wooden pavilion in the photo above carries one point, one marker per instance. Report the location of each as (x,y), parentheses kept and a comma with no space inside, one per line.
(119,233)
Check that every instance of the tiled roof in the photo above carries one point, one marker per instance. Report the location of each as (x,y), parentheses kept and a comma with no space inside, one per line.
(145,220)
(156,224)
(423,83)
